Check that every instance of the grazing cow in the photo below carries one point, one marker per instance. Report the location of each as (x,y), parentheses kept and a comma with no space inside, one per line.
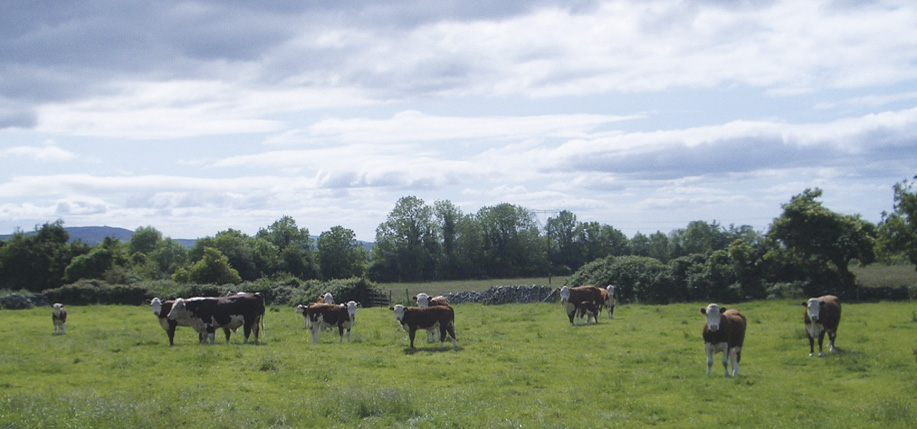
(823,314)
(572,297)
(423,301)
(59,317)
(412,319)
(724,332)
(589,310)
(609,295)
(205,315)
(320,316)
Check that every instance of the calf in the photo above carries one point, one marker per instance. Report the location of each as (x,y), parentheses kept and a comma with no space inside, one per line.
(59,317)
(341,316)
(609,296)
(589,310)
(204,315)
(572,297)
(423,301)
(724,332)
(412,319)
(822,315)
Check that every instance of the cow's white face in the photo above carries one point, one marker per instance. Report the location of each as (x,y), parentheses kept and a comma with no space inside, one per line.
(179,310)
(713,313)
(813,307)
(156,305)
(423,300)
(300,309)
(611,290)
(399,312)
(352,309)
(564,294)
(57,308)
(329,298)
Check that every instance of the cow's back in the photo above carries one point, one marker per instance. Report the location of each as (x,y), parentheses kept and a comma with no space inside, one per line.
(831,317)
(736,327)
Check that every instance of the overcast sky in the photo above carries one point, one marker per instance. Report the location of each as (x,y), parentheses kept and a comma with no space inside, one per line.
(197,117)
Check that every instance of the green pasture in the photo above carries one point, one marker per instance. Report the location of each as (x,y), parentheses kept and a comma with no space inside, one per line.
(518,365)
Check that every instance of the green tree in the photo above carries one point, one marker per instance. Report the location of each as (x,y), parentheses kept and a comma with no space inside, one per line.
(144,240)
(168,257)
(37,262)
(340,255)
(406,243)
(89,266)
(294,245)
(897,232)
(563,233)
(600,241)
(512,243)
(822,239)
(213,268)
(447,217)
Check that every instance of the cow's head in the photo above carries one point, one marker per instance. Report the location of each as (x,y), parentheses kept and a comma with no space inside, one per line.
(399,312)
(423,300)
(179,310)
(156,305)
(713,313)
(352,309)
(611,290)
(564,294)
(58,307)
(813,307)
(301,309)
(328,298)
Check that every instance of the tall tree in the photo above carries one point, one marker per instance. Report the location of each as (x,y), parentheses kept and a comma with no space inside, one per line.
(512,242)
(406,243)
(817,236)
(563,233)
(447,217)
(144,240)
(898,230)
(340,255)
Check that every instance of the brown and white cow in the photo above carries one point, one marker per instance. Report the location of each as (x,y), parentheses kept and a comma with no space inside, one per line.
(724,332)
(423,301)
(206,314)
(587,309)
(608,294)
(320,316)
(412,319)
(59,318)
(823,315)
(573,297)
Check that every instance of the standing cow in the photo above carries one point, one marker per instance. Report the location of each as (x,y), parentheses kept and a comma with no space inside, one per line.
(571,298)
(162,308)
(328,316)
(608,294)
(822,315)
(724,332)
(588,310)
(423,301)
(412,319)
(59,318)
(208,314)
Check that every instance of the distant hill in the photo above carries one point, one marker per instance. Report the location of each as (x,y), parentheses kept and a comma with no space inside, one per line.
(93,235)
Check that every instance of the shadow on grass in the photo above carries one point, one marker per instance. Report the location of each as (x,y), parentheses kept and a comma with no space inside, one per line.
(409,351)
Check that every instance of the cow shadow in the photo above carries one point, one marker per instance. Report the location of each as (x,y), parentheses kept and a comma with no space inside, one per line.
(428,350)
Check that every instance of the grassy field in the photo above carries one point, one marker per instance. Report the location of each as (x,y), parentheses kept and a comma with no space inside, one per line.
(516,366)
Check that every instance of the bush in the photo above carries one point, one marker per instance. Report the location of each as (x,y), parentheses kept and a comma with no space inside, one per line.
(86,292)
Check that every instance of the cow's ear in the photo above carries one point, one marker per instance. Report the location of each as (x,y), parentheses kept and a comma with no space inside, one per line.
(722,310)
(821,304)
(703,311)
(805,304)
(358,304)
(392,308)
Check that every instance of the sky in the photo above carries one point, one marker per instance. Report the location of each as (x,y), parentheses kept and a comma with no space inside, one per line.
(195,117)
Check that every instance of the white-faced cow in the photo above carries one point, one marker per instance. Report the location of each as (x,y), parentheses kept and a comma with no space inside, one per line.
(423,301)
(320,316)
(161,310)
(207,314)
(724,332)
(59,317)
(609,295)
(571,298)
(823,315)
(327,298)
(412,319)
(587,309)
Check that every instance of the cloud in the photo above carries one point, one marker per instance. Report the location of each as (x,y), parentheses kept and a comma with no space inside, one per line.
(48,153)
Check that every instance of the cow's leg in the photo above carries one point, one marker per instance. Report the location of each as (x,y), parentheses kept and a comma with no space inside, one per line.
(315,329)
(171,333)
(611,311)
(708,347)
(821,340)
(348,335)
(411,332)
(341,334)
(811,346)
(734,360)
(246,329)
(451,329)
(831,336)
(227,333)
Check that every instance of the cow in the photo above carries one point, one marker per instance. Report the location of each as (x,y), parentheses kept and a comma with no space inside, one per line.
(320,316)
(589,310)
(412,319)
(327,298)
(423,301)
(724,332)
(162,308)
(59,318)
(608,294)
(572,297)
(822,315)
(205,314)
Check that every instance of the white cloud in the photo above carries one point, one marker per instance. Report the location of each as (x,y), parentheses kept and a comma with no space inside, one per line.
(39,153)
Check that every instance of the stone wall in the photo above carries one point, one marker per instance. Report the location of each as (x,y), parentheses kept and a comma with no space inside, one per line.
(507,295)
(15,301)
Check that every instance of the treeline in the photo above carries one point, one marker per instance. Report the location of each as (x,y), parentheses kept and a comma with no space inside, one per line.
(808,249)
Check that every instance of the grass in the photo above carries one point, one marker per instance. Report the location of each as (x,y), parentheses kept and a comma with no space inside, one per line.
(517,365)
